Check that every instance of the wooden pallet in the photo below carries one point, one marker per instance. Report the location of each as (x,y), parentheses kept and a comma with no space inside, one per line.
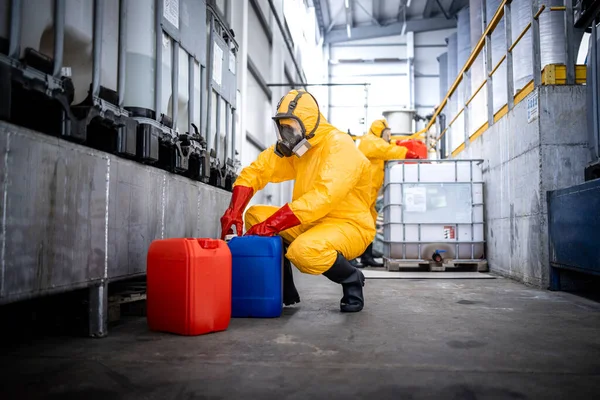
(422,265)
(130,295)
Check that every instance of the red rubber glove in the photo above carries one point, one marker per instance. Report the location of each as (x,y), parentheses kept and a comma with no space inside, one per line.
(411,155)
(415,148)
(283,219)
(233,215)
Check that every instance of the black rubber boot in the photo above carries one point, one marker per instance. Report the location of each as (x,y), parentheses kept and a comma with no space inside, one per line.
(367,258)
(290,294)
(352,281)
(355,263)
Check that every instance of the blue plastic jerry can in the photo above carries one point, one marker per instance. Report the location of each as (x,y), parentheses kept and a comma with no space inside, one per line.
(256,277)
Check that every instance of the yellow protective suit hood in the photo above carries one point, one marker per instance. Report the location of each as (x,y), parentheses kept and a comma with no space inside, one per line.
(331,197)
(306,111)
(378,126)
(378,151)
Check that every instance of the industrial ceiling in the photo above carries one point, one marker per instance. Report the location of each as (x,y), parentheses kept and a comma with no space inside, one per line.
(347,20)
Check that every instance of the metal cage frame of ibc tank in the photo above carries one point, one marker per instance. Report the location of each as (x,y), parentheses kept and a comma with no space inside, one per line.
(480,264)
(159,137)
(148,136)
(222,172)
(36,72)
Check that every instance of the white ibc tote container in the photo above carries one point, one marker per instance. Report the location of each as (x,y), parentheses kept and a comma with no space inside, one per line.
(37,22)
(433,207)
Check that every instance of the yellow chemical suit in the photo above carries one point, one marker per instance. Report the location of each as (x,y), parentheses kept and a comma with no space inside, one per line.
(377,150)
(331,198)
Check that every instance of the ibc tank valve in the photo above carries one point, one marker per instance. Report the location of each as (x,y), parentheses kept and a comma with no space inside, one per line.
(437,256)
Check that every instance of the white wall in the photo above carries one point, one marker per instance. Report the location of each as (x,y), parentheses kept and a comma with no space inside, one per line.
(272,60)
(383,63)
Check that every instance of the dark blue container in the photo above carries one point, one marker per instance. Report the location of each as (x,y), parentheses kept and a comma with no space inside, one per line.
(256,277)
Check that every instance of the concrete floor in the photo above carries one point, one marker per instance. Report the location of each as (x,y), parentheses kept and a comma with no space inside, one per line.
(416,339)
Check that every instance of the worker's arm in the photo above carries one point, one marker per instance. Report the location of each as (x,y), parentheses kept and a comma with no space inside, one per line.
(267,168)
(339,170)
(377,149)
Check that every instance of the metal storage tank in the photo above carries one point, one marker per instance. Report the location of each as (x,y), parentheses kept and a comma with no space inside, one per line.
(463,32)
(552,39)
(433,206)
(463,43)
(552,34)
(498,50)
(522,54)
(478,110)
(401,122)
(443,68)
(451,107)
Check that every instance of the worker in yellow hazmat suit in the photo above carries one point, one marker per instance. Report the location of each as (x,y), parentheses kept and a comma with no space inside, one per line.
(375,145)
(328,221)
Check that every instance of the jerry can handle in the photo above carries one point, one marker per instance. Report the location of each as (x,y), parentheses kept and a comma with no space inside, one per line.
(209,244)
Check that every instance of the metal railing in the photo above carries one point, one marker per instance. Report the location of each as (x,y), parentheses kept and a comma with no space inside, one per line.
(485,45)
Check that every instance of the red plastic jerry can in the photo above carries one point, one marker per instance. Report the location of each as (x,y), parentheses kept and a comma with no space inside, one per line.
(189,286)
(416,146)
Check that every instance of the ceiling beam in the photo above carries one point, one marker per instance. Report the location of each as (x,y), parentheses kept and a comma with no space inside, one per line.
(339,35)
(348,5)
(401,7)
(323,15)
(335,17)
(376,7)
(456,6)
(429,10)
(373,19)
(442,8)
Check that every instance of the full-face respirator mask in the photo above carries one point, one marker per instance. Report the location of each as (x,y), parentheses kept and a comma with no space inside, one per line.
(291,133)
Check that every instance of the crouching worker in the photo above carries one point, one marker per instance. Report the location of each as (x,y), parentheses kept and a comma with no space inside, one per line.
(328,221)
(375,145)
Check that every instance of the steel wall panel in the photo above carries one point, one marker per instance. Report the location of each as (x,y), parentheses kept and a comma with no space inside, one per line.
(573,226)
(54,218)
(135,215)
(72,216)
(181,208)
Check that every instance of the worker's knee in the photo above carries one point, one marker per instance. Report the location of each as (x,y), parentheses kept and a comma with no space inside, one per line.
(310,256)
(257,214)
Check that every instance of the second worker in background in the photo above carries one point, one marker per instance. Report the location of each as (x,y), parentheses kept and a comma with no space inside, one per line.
(376,146)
